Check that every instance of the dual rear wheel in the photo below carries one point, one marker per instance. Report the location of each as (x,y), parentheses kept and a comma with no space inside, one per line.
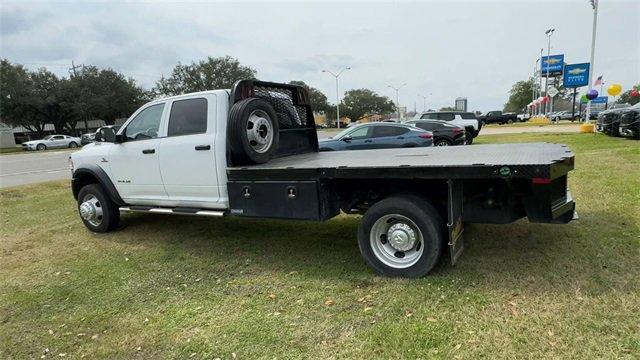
(402,236)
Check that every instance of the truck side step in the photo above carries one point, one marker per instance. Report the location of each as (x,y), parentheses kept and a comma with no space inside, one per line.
(177,211)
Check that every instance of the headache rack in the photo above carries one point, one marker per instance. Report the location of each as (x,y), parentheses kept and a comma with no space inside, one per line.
(297,127)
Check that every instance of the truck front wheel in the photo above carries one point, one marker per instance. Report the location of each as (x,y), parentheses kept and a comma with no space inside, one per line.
(401,236)
(98,213)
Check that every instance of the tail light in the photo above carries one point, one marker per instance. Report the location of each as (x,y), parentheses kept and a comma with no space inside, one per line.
(457,131)
(426,135)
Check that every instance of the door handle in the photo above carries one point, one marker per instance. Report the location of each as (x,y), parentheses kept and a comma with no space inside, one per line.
(149,151)
(203,147)
(368,141)
(400,137)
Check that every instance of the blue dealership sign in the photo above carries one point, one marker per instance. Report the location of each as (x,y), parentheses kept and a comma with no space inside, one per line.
(576,75)
(553,64)
(598,100)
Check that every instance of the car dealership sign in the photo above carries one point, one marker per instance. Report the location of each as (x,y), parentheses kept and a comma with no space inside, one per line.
(576,75)
(553,64)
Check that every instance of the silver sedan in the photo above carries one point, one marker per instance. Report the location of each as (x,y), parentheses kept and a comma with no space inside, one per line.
(52,142)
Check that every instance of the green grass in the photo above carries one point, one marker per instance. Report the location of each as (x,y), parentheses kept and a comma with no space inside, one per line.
(170,287)
(11,150)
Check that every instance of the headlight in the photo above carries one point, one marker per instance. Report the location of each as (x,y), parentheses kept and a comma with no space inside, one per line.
(70,164)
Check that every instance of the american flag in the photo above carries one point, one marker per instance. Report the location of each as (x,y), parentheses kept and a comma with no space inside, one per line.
(598,81)
(594,3)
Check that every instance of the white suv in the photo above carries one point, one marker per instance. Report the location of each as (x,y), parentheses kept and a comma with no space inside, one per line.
(465,120)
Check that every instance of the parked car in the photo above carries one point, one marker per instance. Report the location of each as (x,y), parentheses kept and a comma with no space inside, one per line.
(52,142)
(565,115)
(498,117)
(465,120)
(444,134)
(91,137)
(378,135)
(630,122)
(608,121)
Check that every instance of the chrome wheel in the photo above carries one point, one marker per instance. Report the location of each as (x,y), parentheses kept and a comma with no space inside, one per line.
(260,131)
(91,210)
(442,143)
(396,241)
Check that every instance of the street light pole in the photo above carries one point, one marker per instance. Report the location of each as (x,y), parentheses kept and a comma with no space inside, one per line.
(549,32)
(424,102)
(397,89)
(594,5)
(539,107)
(337,91)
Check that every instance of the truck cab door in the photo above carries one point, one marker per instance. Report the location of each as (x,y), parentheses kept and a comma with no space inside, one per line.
(187,154)
(134,161)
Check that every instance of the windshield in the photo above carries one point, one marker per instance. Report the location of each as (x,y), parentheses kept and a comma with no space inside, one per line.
(48,137)
(341,133)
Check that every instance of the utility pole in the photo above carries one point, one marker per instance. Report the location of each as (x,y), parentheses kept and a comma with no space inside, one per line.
(397,89)
(594,5)
(424,102)
(72,69)
(549,32)
(337,91)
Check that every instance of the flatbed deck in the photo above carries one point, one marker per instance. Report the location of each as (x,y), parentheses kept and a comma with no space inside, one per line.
(524,160)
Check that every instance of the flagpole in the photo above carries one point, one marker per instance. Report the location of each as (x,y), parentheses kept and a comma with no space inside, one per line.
(594,5)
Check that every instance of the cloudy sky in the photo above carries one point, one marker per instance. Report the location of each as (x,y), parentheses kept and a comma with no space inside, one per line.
(443,50)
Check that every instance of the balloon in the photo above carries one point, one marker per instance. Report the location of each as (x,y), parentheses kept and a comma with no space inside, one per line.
(592,94)
(634,93)
(614,89)
(584,98)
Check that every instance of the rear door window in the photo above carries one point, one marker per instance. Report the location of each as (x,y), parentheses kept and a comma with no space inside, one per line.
(188,117)
(446,116)
(468,115)
(425,126)
(384,131)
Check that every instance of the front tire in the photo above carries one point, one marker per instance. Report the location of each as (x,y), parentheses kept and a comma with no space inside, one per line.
(401,236)
(442,142)
(98,213)
(73,144)
(41,147)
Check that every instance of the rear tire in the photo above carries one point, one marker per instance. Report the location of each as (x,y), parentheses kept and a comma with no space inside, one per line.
(442,142)
(401,236)
(468,138)
(97,211)
(253,131)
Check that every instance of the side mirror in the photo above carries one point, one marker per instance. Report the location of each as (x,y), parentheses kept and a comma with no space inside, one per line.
(347,138)
(106,134)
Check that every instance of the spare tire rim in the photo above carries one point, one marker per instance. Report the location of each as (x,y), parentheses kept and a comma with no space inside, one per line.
(91,210)
(259,131)
(396,241)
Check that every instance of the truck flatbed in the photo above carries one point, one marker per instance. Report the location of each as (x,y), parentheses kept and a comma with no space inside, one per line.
(525,160)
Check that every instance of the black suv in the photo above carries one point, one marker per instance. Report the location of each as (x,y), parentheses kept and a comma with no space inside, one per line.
(630,122)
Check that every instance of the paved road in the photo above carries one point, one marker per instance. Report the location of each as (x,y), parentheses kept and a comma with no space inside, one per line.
(34,167)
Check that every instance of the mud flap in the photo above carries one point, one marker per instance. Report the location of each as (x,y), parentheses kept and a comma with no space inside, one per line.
(454,223)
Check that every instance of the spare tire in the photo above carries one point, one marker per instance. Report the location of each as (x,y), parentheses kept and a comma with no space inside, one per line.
(253,131)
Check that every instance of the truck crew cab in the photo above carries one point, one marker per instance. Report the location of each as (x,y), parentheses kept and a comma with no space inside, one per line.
(253,152)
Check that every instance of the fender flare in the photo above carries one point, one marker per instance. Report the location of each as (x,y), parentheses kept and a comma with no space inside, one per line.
(103,179)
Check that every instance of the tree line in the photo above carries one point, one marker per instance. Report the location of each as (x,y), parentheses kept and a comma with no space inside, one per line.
(34,98)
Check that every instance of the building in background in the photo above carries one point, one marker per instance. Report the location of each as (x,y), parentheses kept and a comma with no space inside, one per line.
(461,104)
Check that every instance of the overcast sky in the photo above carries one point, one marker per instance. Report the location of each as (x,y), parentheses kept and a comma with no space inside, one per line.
(475,49)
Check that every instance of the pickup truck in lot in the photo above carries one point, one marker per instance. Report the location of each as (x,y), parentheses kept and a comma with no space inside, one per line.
(253,152)
(498,117)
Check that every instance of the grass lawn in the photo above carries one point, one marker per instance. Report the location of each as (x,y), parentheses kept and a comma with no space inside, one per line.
(182,287)
(11,150)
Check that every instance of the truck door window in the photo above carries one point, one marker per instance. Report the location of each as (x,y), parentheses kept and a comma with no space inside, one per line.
(145,125)
(188,117)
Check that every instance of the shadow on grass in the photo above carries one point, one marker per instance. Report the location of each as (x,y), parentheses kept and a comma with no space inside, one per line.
(541,257)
